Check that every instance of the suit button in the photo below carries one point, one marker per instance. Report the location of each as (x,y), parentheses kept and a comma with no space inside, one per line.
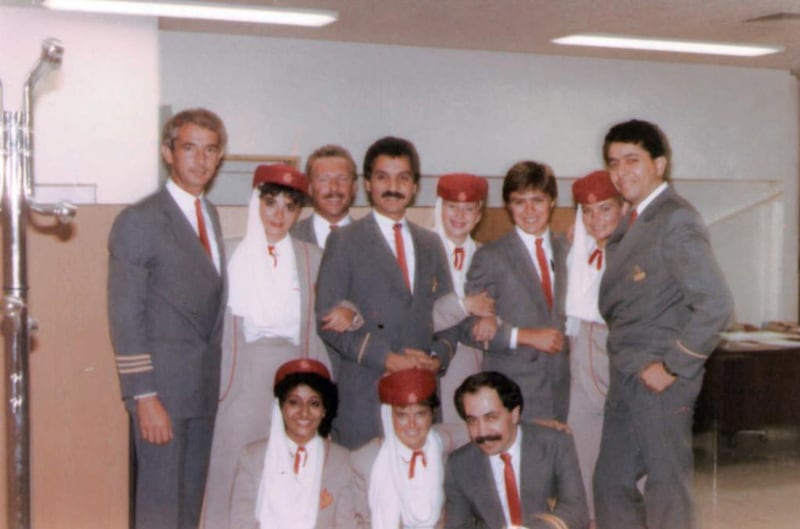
(380,326)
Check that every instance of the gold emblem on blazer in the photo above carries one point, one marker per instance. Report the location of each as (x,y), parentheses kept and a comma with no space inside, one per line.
(434,285)
(638,274)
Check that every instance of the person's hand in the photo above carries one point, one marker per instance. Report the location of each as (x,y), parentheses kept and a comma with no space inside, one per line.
(400,361)
(547,340)
(656,378)
(154,421)
(480,305)
(484,330)
(339,319)
(554,424)
(424,360)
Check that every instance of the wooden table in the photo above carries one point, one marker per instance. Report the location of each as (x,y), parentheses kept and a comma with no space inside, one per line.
(750,388)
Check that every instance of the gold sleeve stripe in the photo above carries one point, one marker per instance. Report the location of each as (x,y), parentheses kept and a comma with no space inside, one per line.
(553,520)
(362,349)
(134,370)
(688,351)
(131,362)
(133,357)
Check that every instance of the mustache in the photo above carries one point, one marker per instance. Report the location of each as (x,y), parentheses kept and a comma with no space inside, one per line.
(393,194)
(333,195)
(487,439)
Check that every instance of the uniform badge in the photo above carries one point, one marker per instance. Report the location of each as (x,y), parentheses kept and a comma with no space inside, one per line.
(638,274)
(325,499)
(434,285)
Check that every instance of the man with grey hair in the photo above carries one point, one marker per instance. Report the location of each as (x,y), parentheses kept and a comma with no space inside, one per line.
(166,300)
(331,172)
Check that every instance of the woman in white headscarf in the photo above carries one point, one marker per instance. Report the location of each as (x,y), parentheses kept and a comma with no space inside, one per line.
(599,210)
(399,478)
(296,478)
(270,321)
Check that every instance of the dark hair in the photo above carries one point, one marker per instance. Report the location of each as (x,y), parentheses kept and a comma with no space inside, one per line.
(509,391)
(394,148)
(198,116)
(646,135)
(323,386)
(331,151)
(271,189)
(530,175)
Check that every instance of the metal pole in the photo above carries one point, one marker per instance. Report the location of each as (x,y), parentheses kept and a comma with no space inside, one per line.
(16,184)
(15,321)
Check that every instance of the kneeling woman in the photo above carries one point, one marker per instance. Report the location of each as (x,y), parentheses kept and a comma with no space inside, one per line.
(296,478)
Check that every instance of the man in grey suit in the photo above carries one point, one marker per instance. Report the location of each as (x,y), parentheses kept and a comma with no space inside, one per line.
(393,271)
(525,273)
(332,186)
(665,301)
(166,291)
(511,474)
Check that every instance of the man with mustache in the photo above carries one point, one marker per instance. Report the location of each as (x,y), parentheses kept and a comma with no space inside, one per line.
(393,271)
(512,473)
(332,187)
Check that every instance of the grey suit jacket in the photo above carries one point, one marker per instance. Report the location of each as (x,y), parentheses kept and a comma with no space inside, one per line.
(549,470)
(165,306)
(304,230)
(504,269)
(358,266)
(663,294)
(337,481)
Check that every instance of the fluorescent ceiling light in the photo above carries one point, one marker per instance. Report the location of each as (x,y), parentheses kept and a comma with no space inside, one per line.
(201,10)
(681,46)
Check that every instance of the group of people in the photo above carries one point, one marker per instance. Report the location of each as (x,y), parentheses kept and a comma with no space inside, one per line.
(336,373)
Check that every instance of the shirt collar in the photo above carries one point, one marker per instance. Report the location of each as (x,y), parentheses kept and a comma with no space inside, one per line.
(652,196)
(385,222)
(184,199)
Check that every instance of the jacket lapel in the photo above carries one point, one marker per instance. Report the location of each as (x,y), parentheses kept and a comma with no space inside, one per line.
(526,270)
(487,500)
(378,246)
(185,237)
(302,261)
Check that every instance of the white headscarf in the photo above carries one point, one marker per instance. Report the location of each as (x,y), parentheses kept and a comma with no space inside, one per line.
(459,276)
(394,499)
(265,296)
(285,499)
(583,280)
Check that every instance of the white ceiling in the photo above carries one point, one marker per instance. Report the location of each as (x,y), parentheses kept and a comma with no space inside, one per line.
(527,26)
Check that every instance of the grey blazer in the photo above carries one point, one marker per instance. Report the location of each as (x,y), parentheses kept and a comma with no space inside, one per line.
(504,269)
(358,266)
(663,294)
(549,471)
(165,306)
(337,481)
(304,230)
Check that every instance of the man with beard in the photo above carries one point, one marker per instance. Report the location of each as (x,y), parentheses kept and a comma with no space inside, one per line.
(331,172)
(511,474)
(393,271)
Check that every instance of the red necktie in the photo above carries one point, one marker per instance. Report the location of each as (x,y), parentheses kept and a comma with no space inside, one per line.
(274,254)
(597,254)
(458,260)
(417,454)
(633,218)
(544,270)
(201,226)
(299,459)
(514,507)
(399,246)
